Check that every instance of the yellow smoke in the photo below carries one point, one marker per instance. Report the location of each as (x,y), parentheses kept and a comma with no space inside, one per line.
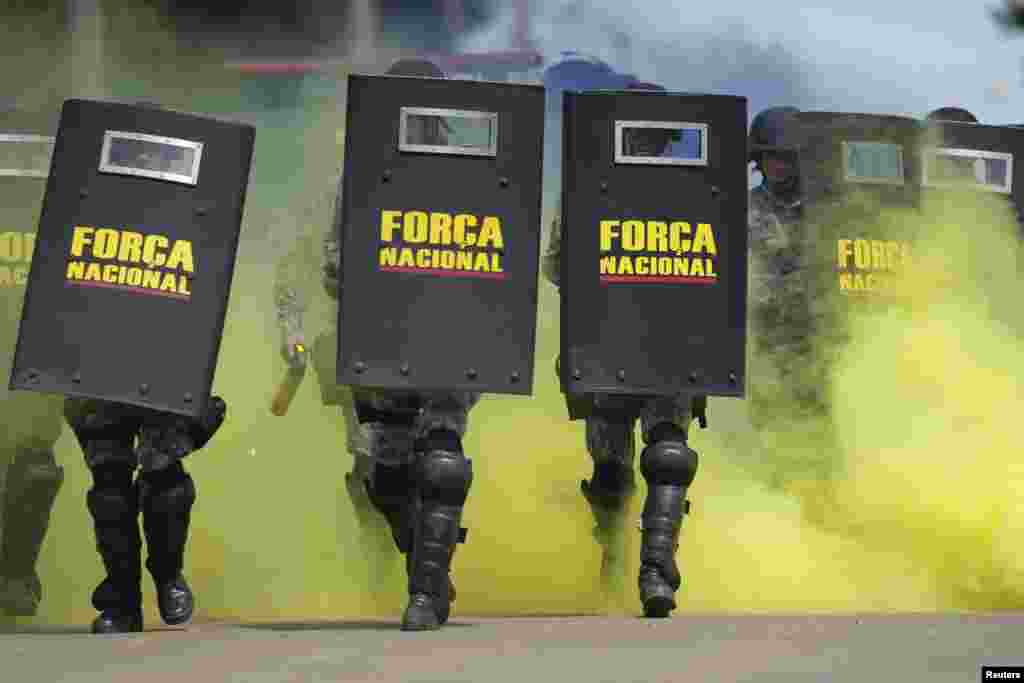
(927,399)
(920,507)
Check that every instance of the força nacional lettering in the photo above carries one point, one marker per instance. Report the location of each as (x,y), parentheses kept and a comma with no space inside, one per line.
(15,257)
(870,266)
(439,243)
(131,260)
(657,251)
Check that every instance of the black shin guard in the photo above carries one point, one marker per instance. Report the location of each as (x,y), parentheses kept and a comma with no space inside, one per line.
(167,497)
(443,477)
(669,466)
(113,503)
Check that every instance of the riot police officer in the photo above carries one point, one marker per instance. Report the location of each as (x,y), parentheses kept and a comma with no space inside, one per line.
(407,447)
(667,463)
(163,493)
(779,306)
(135,453)
(31,422)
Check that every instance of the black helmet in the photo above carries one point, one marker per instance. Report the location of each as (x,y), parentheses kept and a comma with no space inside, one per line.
(954,114)
(774,130)
(421,68)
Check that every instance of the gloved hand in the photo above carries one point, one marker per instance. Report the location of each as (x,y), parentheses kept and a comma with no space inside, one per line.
(294,349)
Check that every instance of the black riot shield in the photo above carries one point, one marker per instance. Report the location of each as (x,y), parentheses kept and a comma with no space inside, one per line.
(440,235)
(129,282)
(654,251)
(859,173)
(26,144)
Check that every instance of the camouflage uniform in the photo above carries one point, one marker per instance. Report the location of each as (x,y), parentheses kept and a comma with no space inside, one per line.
(787,362)
(779,306)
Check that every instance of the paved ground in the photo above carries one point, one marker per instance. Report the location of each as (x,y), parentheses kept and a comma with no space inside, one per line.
(765,649)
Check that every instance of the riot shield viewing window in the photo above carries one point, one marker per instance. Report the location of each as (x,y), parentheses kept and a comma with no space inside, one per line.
(873,162)
(448,131)
(968,169)
(661,142)
(151,156)
(25,155)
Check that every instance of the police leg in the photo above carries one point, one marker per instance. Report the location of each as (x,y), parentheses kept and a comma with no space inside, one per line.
(389,483)
(106,433)
(669,466)
(33,481)
(167,494)
(611,445)
(444,476)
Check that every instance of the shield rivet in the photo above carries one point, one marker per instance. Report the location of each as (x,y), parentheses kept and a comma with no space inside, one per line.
(83,193)
(33,375)
(144,389)
(693,378)
(404,369)
(621,374)
(503,182)
(471,373)
(576,374)
(76,378)
(360,366)
(386,176)
(715,189)
(188,397)
(732,378)
(514,377)
(604,187)
(200,210)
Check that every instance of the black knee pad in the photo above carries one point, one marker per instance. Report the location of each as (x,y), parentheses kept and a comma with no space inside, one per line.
(445,474)
(668,463)
(101,433)
(168,491)
(112,505)
(613,477)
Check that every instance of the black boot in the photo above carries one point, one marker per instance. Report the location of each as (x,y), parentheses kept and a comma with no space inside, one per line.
(32,484)
(442,609)
(669,467)
(444,477)
(118,598)
(167,498)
